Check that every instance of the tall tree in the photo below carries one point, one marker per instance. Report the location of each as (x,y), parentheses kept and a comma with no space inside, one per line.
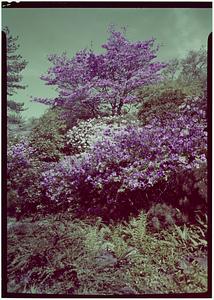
(172,69)
(194,67)
(15,65)
(107,80)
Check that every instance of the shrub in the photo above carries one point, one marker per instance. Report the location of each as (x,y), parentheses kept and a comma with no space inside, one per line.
(23,174)
(48,137)
(13,139)
(161,216)
(187,190)
(162,99)
(125,165)
(82,137)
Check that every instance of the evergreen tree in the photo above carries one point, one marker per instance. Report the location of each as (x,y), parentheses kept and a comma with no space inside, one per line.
(15,65)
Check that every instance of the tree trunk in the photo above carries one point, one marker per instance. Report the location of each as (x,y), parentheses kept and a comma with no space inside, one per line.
(119,108)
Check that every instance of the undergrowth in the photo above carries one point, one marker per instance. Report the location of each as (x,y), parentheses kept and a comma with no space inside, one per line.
(61,255)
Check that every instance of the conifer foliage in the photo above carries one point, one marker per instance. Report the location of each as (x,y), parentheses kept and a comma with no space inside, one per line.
(15,65)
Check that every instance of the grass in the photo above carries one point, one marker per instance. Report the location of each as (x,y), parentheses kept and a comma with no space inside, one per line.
(62,255)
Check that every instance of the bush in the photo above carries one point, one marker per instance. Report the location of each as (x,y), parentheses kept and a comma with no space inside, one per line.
(187,190)
(23,174)
(126,165)
(82,137)
(48,137)
(161,216)
(163,99)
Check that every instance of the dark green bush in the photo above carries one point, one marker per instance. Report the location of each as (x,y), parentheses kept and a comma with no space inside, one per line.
(161,216)
(48,137)
(186,190)
(161,99)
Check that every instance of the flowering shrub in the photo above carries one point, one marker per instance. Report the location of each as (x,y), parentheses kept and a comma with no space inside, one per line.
(82,137)
(131,161)
(19,153)
(23,174)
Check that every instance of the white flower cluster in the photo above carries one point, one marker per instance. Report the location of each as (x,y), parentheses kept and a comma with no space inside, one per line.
(83,136)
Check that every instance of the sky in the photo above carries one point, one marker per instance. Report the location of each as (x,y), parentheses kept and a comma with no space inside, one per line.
(47,31)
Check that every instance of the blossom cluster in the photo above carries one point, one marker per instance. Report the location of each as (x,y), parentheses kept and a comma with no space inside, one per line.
(83,136)
(19,154)
(23,178)
(132,158)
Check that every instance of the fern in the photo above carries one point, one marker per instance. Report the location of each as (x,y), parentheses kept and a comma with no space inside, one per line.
(68,257)
(137,229)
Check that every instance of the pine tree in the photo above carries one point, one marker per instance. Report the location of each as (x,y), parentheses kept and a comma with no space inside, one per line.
(15,65)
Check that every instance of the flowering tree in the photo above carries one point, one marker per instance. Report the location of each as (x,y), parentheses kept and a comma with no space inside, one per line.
(108,79)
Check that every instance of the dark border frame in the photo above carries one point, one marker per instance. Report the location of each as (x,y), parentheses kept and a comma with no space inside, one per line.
(106,4)
(115,5)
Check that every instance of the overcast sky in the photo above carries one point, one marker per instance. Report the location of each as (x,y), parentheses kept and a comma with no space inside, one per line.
(45,31)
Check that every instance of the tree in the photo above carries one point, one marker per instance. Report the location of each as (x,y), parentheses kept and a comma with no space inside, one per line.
(15,65)
(172,69)
(194,68)
(182,77)
(103,81)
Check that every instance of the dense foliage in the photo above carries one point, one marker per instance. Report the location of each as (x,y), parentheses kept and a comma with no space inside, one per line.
(48,136)
(82,137)
(159,100)
(73,257)
(167,96)
(117,164)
